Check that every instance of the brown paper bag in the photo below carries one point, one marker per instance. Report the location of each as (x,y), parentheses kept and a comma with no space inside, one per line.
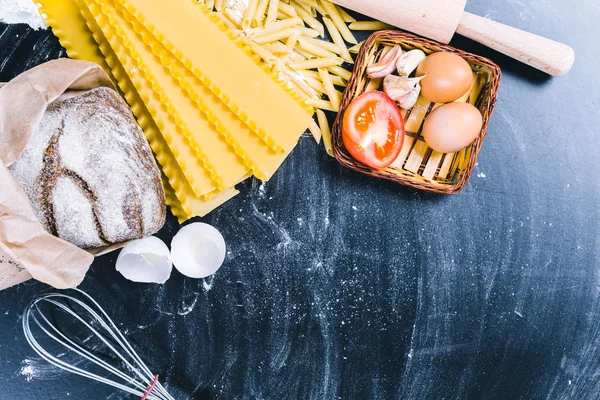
(26,249)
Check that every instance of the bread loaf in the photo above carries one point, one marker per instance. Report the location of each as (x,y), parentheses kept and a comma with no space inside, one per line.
(90,174)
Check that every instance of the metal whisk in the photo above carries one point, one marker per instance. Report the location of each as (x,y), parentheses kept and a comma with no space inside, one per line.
(60,319)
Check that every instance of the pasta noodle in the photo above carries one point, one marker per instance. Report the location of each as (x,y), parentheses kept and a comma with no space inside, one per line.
(309,19)
(315,131)
(316,63)
(345,16)
(249,13)
(356,48)
(369,26)
(274,36)
(277,26)
(325,131)
(262,52)
(315,49)
(321,104)
(289,48)
(332,47)
(339,23)
(337,39)
(341,72)
(287,9)
(272,12)
(329,89)
(261,10)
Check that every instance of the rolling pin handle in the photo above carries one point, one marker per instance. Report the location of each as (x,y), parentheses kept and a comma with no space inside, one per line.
(549,56)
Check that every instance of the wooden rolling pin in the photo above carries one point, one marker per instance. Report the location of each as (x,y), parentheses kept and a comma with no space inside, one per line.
(440,19)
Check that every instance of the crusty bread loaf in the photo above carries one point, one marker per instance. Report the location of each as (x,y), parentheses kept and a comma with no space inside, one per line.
(90,174)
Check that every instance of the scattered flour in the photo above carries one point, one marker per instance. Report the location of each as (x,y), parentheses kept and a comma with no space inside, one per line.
(21,12)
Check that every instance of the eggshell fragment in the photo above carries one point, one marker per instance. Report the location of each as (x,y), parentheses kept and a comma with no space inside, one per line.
(452,127)
(145,260)
(198,250)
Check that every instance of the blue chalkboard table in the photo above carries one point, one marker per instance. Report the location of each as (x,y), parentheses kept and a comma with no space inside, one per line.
(340,286)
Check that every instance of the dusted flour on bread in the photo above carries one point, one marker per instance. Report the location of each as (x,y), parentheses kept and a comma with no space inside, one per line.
(90,174)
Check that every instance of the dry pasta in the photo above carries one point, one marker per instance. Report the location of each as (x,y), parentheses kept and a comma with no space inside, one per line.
(272,12)
(339,22)
(337,39)
(329,89)
(285,35)
(369,26)
(325,131)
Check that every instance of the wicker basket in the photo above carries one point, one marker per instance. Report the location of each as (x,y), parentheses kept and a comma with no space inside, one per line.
(419,166)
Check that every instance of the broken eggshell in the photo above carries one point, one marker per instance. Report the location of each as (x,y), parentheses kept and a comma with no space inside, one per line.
(145,260)
(198,250)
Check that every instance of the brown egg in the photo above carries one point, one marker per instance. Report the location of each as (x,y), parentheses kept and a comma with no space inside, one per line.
(452,127)
(449,77)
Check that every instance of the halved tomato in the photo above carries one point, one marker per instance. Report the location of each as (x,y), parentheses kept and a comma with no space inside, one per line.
(373,129)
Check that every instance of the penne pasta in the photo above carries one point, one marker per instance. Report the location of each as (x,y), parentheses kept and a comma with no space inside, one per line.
(341,72)
(356,48)
(369,26)
(316,63)
(315,131)
(240,8)
(315,49)
(287,9)
(210,4)
(262,52)
(315,84)
(301,4)
(289,48)
(219,5)
(329,89)
(337,39)
(227,22)
(261,11)
(277,47)
(345,16)
(332,47)
(308,32)
(308,19)
(277,26)
(339,23)
(274,36)
(303,86)
(325,131)
(320,9)
(249,13)
(321,104)
(272,12)
(337,81)
(235,19)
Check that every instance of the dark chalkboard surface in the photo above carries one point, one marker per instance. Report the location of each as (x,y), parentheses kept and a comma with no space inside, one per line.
(337,285)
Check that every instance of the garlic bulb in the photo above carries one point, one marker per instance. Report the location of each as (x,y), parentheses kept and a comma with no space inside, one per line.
(386,65)
(409,61)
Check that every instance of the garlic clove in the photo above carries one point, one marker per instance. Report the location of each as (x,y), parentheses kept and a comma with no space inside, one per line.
(145,260)
(386,65)
(399,86)
(408,62)
(409,100)
(198,250)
